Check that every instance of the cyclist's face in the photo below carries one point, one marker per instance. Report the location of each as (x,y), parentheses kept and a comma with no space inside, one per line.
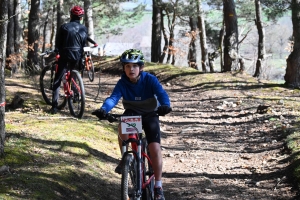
(132,70)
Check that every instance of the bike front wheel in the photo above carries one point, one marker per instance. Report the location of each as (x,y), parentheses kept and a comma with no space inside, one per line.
(91,72)
(148,192)
(76,101)
(89,69)
(129,177)
(46,86)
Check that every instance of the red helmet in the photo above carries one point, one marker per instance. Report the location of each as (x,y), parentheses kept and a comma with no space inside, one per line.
(77,11)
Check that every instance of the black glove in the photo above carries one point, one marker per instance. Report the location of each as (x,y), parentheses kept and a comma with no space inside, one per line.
(56,51)
(163,110)
(100,113)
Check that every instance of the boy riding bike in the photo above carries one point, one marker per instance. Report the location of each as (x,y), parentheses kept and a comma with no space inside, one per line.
(142,95)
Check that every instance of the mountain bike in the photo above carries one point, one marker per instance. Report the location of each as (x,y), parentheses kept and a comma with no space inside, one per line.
(71,89)
(137,173)
(47,78)
(88,63)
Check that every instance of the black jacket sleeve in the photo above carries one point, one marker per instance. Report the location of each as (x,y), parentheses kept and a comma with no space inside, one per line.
(91,40)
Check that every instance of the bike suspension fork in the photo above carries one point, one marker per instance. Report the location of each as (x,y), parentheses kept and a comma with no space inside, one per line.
(139,167)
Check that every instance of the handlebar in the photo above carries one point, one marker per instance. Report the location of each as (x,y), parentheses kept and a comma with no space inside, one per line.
(112,117)
(116,117)
(46,52)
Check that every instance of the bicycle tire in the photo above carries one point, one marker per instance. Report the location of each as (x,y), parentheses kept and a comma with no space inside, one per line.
(128,181)
(76,102)
(91,72)
(46,85)
(148,192)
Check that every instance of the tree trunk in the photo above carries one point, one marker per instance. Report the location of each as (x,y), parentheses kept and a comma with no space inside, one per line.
(192,53)
(171,25)
(242,64)
(156,31)
(231,36)
(292,75)
(59,13)
(261,40)
(89,23)
(45,30)
(211,60)
(166,45)
(3,37)
(221,47)
(170,47)
(17,20)
(53,26)
(10,29)
(33,36)
(202,34)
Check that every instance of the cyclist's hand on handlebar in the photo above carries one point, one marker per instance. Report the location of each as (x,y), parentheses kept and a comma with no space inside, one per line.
(100,113)
(163,110)
(56,51)
(95,45)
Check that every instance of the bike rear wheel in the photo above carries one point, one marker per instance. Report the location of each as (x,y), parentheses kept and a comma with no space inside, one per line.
(148,192)
(46,86)
(129,176)
(76,101)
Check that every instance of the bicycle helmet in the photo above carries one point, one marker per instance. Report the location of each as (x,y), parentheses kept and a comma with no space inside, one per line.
(77,11)
(132,56)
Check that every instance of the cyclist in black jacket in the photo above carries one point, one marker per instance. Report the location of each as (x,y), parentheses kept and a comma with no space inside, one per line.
(69,43)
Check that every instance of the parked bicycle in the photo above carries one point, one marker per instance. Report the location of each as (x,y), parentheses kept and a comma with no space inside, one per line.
(137,173)
(88,63)
(71,89)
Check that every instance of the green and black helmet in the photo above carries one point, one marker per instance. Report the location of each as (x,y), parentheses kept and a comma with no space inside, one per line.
(132,56)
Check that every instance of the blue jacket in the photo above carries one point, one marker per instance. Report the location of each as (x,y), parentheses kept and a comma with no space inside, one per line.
(144,96)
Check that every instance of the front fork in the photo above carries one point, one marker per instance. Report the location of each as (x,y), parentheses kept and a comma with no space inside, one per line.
(136,144)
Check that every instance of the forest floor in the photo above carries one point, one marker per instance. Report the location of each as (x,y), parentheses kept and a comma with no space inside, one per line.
(218,143)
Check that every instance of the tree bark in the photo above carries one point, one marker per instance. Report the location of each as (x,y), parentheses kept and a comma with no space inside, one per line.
(292,75)
(89,23)
(45,30)
(156,31)
(53,26)
(33,36)
(59,13)
(3,37)
(17,20)
(10,29)
(171,25)
(192,53)
(261,40)
(166,45)
(231,36)
(221,47)
(202,34)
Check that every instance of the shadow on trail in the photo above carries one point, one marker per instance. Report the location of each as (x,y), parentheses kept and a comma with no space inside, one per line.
(219,184)
(60,173)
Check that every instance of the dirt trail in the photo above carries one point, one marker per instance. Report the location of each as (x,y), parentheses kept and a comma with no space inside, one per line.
(216,146)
